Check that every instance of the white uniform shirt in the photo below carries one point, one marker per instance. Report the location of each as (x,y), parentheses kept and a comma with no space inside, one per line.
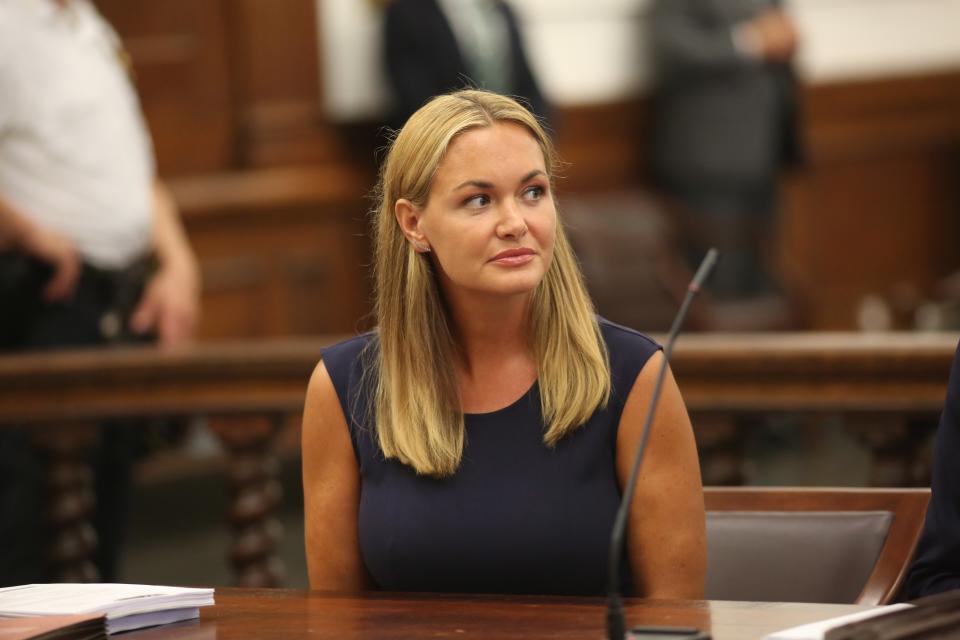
(75,155)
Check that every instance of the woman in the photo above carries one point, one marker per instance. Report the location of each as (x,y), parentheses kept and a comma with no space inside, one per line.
(478,441)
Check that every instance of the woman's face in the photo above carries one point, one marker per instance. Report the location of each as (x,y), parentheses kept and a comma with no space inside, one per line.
(490,220)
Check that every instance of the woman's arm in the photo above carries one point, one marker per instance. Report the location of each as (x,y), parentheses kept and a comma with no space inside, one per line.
(331,491)
(666,531)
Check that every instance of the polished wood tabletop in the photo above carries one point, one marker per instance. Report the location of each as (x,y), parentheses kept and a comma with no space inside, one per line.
(275,613)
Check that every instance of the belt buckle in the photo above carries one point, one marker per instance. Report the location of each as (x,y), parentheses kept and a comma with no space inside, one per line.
(111,325)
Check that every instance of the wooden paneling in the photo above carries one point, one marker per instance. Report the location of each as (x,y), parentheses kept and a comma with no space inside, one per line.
(227,84)
(876,210)
(283,251)
(890,374)
(274,44)
(276,68)
(602,146)
(878,207)
(182,72)
(233,86)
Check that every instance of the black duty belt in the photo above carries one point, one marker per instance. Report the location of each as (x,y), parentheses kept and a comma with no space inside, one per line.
(116,291)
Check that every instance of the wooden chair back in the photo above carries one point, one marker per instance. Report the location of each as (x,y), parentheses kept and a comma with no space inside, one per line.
(765,542)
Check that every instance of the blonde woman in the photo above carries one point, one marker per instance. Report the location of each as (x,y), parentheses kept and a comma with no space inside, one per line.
(478,441)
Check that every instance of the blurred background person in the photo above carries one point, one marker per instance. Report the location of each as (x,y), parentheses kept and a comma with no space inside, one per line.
(92,251)
(936,563)
(725,125)
(436,46)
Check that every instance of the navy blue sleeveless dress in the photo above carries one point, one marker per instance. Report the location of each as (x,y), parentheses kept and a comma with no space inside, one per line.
(517,516)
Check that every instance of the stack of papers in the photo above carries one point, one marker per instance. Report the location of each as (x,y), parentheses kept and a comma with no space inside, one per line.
(818,630)
(126,606)
(85,627)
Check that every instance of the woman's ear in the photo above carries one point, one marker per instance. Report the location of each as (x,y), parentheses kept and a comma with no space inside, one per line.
(408,217)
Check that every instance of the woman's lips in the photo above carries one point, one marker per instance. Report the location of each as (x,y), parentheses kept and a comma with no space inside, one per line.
(513,257)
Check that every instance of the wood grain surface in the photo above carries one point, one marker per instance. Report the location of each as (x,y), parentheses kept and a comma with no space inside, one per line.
(279,614)
(898,373)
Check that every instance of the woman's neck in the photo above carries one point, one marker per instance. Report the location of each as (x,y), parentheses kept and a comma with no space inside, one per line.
(491,332)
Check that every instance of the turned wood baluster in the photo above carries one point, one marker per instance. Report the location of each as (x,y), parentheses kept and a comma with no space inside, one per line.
(720,445)
(256,492)
(900,449)
(70,501)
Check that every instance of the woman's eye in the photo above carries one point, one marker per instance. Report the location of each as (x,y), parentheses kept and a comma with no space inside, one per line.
(477,201)
(534,193)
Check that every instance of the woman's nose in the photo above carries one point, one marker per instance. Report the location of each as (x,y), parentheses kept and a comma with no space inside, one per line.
(512,223)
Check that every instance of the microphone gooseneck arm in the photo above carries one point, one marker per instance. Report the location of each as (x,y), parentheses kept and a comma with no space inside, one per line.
(616,627)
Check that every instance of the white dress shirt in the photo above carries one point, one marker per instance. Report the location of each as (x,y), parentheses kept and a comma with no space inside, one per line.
(484,39)
(75,155)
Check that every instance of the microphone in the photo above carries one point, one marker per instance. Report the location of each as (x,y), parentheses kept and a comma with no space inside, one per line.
(616,627)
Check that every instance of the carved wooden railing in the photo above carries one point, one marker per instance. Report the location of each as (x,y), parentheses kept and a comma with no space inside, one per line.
(885,379)
(60,395)
(889,387)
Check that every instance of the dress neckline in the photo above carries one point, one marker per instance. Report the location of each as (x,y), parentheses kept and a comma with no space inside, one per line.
(486,414)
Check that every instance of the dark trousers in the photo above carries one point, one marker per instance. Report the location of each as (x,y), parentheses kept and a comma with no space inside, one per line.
(740,221)
(28,323)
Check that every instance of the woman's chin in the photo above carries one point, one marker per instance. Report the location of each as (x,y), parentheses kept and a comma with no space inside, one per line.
(517,284)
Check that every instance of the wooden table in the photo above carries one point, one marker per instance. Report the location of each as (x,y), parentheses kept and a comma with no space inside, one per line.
(278,614)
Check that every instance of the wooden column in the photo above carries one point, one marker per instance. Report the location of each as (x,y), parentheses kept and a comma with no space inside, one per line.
(71,501)
(256,492)
(276,72)
(720,439)
(900,448)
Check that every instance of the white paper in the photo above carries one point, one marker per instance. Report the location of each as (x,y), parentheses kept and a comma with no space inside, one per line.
(115,600)
(151,619)
(817,630)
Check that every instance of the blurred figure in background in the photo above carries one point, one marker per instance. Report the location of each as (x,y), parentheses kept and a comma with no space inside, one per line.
(436,46)
(92,251)
(936,563)
(725,124)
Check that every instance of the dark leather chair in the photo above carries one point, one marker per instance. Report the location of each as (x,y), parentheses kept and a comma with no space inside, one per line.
(809,544)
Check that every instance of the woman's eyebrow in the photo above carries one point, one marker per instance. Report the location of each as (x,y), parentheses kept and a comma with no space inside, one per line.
(483,184)
(480,184)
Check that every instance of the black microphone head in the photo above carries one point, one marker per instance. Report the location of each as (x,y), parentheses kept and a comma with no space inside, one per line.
(706,267)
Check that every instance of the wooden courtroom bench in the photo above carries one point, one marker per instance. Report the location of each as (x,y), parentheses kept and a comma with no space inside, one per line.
(884,378)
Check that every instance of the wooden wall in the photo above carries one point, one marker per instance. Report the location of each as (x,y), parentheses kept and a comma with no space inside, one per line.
(274,196)
(283,251)
(878,208)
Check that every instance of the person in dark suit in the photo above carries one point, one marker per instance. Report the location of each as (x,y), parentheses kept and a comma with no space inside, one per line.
(437,46)
(936,565)
(725,124)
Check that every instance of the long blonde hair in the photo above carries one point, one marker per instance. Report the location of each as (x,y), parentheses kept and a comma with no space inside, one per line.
(415,398)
